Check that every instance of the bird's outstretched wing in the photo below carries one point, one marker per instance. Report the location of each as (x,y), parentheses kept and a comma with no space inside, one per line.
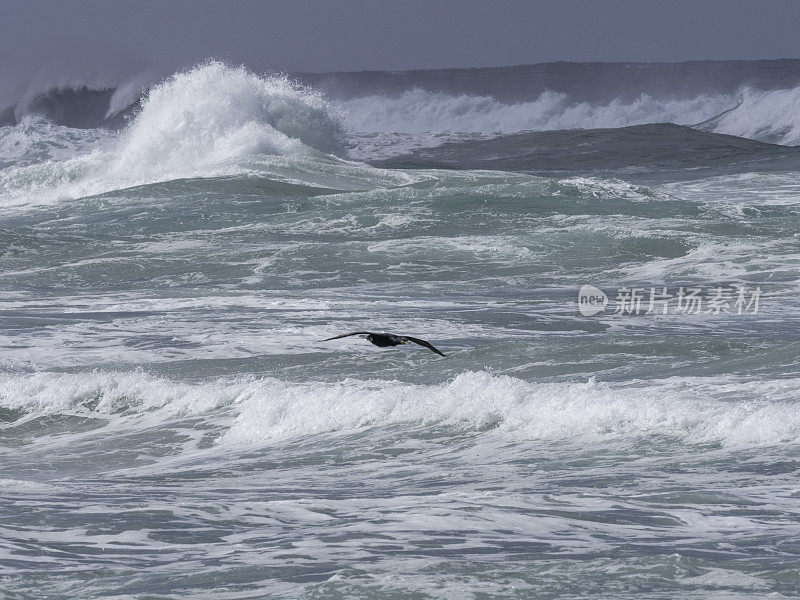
(336,337)
(422,343)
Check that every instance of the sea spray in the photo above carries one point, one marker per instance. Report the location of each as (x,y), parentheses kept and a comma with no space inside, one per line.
(209,121)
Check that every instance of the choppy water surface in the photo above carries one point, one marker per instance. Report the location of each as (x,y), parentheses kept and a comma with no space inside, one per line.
(171,426)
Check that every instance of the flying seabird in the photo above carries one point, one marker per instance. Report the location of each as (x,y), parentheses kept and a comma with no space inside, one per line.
(385,340)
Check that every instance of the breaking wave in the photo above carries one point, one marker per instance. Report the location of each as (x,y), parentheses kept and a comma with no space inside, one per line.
(262,411)
(769,116)
(205,122)
(215,113)
(418,111)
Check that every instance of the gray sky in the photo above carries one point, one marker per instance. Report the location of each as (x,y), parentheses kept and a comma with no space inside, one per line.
(304,35)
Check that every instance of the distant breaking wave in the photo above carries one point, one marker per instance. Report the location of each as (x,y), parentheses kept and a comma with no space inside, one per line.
(419,111)
(769,116)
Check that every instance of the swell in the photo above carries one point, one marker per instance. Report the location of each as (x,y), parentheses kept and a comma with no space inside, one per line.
(665,148)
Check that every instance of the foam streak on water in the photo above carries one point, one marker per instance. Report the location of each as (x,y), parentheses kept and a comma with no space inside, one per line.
(172,426)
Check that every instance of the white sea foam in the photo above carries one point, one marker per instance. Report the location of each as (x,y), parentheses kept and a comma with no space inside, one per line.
(214,113)
(23,485)
(35,140)
(690,410)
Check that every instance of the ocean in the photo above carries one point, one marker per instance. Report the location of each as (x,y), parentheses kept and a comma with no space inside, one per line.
(608,255)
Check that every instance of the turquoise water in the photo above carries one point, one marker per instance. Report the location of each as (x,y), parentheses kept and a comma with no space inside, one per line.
(171,424)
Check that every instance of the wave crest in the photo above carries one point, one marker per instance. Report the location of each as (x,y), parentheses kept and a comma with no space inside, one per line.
(215,113)
(770,116)
(417,111)
(264,411)
(212,120)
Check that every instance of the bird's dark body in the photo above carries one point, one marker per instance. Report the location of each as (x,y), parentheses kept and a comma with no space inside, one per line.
(384,340)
